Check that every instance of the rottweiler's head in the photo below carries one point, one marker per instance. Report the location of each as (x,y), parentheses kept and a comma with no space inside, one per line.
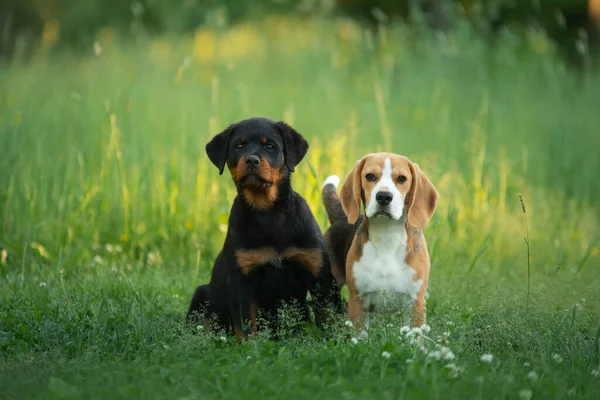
(260,154)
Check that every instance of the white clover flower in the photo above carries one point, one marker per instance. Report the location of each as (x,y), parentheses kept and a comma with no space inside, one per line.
(424,349)
(354,340)
(447,354)
(109,247)
(527,364)
(525,394)
(404,330)
(98,260)
(223,339)
(557,358)
(390,325)
(532,376)
(425,328)
(436,355)
(596,373)
(386,354)
(349,324)
(42,284)
(363,335)
(487,358)
(118,248)
(409,360)
(455,370)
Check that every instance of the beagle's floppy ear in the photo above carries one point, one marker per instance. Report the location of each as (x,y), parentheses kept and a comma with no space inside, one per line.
(351,193)
(294,145)
(217,148)
(423,198)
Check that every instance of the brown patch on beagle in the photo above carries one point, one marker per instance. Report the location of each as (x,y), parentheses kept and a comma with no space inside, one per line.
(422,198)
(310,259)
(263,140)
(356,306)
(248,260)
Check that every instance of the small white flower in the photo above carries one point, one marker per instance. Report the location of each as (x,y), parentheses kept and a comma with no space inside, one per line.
(426,328)
(527,364)
(354,340)
(42,284)
(532,376)
(488,357)
(446,334)
(450,323)
(248,358)
(409,360)
(386,354)
(223,339)
(414,332)
(424,349)
(404,330)
(363,335)
(596,373)
(199,327)
(98,260)
(525,394)
(557,358)
(109,247)
(118,248)
(390,325)
(436,355)
(349,324)
(176,296)
(447,354)
(455,370)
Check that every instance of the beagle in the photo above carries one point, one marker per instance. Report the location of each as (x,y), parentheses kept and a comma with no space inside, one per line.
(382,255)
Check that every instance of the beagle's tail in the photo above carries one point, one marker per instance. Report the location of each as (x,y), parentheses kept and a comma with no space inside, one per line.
(332,202)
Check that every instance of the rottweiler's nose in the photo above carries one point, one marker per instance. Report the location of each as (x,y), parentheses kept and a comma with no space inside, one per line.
(384,198)
(252,161)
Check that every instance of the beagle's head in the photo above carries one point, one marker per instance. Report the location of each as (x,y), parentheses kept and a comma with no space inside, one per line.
(389,186)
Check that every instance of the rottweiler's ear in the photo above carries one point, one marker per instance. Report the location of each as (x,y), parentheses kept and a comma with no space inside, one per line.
(294,145)
(217,148)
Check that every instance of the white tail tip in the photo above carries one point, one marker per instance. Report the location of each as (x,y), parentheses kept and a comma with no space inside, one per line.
(332,179)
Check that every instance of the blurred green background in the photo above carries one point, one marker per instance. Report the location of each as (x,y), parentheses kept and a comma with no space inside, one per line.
(111,212)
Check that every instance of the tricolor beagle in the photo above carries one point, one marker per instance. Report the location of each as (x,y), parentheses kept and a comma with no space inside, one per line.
(382,255)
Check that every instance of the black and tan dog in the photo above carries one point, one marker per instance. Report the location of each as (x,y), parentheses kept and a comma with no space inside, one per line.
(274,251)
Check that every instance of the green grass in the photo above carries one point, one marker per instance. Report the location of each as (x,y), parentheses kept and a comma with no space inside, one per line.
(111,213)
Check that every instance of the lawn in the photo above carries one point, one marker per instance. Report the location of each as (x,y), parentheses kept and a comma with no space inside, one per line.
(111,212)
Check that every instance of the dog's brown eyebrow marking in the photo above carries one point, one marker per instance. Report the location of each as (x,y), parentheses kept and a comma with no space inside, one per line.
(309,259)
(263,140)
(243,140)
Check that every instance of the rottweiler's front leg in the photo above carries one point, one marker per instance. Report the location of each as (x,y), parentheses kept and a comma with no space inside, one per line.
(240,305)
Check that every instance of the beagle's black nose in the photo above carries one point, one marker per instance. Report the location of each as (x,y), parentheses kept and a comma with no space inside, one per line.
(252,161)
(384,198)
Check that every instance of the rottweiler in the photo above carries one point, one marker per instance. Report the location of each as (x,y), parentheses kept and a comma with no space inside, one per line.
(274,252)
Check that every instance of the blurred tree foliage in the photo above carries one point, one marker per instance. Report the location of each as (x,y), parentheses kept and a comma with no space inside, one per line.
(75,23)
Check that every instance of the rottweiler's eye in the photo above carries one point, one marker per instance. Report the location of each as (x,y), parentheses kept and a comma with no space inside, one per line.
(370,177)
(269,146)
(401,179)
(239,146)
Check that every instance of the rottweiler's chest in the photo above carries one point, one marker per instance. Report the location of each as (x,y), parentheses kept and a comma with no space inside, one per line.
(272,258)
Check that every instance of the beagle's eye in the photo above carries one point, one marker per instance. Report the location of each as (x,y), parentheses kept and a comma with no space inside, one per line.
(239,146)
(370,177)
(269,146)
(401,179)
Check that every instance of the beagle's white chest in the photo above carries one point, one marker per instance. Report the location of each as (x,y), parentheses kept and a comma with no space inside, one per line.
(381,275)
